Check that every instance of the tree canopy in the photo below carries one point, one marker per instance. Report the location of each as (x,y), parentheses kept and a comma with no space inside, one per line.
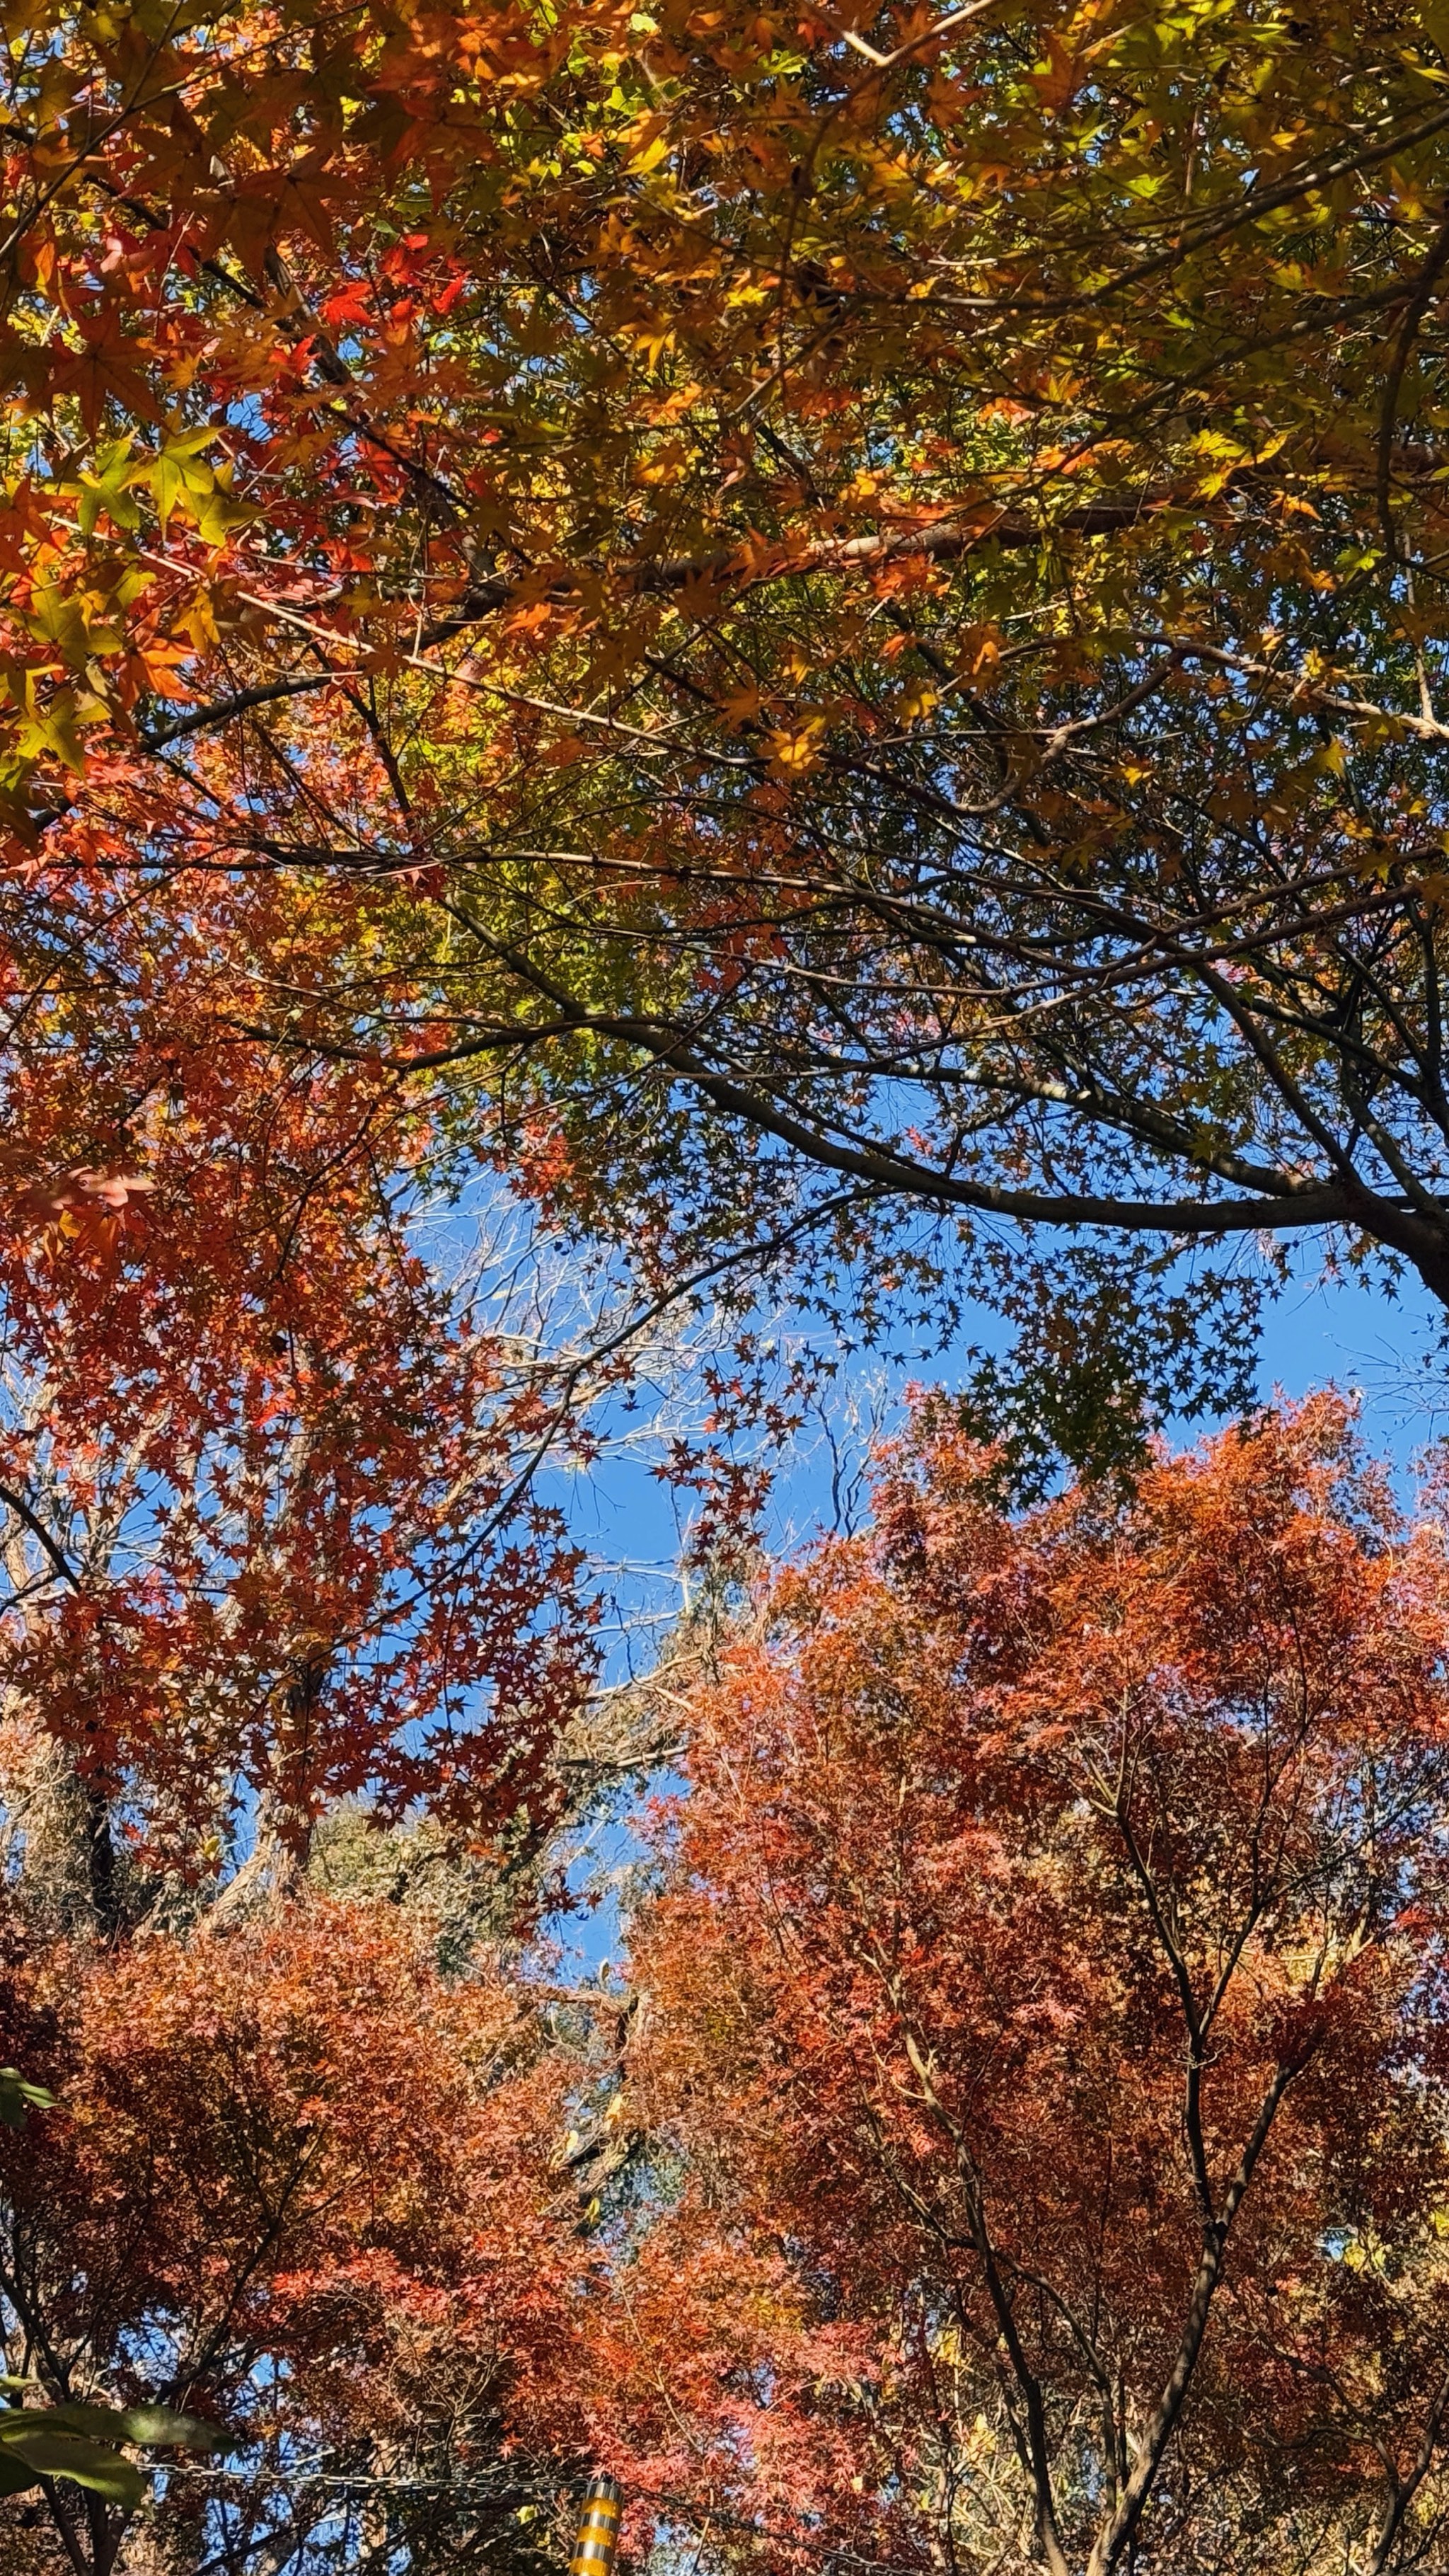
(781,657)
(1013,2137)
(841,616)
(312,2187)
(1043,2005)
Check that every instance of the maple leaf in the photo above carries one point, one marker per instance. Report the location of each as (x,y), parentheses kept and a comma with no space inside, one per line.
(108,369)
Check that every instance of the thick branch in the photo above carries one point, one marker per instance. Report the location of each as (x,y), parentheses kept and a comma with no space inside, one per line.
(736,568)
(1119,2534)
(1297,1203)
(59,1560)
(1403,2490)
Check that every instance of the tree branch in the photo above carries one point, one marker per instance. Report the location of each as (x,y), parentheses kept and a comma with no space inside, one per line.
(1119,2534)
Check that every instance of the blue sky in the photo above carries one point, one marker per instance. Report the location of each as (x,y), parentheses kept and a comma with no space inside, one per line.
(1369,1336)
(1356,1335)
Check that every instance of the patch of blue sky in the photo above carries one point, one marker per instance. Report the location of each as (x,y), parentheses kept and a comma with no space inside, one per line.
(1379,1340)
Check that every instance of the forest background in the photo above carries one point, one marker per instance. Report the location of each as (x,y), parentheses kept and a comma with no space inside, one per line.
(703,710)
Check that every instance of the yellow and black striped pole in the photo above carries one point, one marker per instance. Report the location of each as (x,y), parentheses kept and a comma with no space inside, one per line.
(596,2543)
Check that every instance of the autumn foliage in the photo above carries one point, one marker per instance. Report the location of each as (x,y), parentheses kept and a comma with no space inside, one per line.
(264,1448)
(309,2189)
(1046,2009)
(659,665)
(768,579)
(1017,2138)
